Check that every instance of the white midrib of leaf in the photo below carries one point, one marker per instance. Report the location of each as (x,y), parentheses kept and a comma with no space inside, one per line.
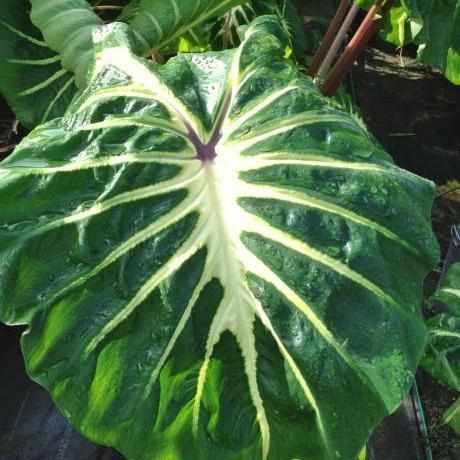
(236,312)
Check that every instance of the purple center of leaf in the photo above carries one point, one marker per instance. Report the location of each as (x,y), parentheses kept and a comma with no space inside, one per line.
(204,152)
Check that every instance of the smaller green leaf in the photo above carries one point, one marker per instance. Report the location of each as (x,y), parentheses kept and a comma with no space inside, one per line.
(32,79)
(442,359)
(68,27)
(432,25)
(449,293)
(439,41)
(452,416)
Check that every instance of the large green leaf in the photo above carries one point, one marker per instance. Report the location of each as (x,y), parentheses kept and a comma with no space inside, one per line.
(32,79)
(442,359)
(213,262)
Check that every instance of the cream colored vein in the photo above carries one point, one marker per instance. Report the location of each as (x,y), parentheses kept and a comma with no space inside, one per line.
(171,218)
(167,158)
(295,369)
(256,225)
(185,252)
(301,199)
(284,126)
(256,266)
(151,191)
(206,276)
(233,126)
(127,121)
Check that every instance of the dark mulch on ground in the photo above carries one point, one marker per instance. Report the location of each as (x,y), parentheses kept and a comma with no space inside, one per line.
(436,398)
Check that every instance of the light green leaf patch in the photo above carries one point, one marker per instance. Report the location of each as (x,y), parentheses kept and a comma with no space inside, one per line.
(212,261)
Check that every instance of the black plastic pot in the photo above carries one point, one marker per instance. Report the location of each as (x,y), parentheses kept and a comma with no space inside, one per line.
(32,429)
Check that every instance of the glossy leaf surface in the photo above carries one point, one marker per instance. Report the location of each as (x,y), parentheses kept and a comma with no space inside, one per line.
(32,78)
(212,261)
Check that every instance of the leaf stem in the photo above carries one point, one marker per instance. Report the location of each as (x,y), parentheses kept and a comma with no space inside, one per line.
(363,35)
(338,41)
(328,39)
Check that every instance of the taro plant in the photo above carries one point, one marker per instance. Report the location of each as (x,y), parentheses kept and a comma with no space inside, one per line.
(211,259)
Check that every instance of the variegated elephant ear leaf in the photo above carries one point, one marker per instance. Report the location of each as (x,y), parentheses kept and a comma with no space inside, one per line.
(214,263)
(32,79)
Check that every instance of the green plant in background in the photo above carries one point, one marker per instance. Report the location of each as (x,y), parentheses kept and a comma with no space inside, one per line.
(225,31)
(46,47)
(434,26)
(442,359)
(32,78)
